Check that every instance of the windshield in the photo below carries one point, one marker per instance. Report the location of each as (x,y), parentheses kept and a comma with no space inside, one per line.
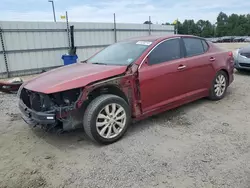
(122,53)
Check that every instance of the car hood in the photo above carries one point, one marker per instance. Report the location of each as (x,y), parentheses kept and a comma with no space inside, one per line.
(72,76)
(245,49)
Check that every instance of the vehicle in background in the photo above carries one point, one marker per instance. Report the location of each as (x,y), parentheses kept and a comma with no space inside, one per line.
(227,39)
(129,80)
(242,58)
(215,40)
(239,39)
(247,39)
(10,86)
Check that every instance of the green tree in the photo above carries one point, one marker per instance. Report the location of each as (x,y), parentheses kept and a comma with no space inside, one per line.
(233,22)
(147,22)
(226,25)
(222,25)
(205,28)
(189,27)
(167,23)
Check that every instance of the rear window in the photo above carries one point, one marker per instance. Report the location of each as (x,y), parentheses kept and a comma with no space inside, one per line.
(193,46)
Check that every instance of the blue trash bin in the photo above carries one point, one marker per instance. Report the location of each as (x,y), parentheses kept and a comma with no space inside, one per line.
(69,59)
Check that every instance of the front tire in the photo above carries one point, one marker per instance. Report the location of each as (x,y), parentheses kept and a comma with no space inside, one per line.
(106,119)
(219,86)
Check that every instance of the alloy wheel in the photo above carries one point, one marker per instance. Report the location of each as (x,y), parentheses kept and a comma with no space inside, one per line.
(111,120)
(220,85)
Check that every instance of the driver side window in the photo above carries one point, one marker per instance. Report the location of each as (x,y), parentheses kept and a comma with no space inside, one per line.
(166,51)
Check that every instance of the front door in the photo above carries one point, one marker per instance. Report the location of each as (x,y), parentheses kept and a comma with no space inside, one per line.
(162,76)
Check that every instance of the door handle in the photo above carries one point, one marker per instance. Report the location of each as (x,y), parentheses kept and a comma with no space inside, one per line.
(212,59)
(181,67)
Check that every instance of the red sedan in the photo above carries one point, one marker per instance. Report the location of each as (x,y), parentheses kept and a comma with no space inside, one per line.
(132,79)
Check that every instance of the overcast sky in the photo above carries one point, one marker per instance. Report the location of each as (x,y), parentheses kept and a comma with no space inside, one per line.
(127,11)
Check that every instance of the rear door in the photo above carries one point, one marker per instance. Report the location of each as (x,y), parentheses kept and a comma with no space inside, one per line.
(162,76)
(199,61)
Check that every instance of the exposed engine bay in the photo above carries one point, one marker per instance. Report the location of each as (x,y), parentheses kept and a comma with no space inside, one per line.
(59,107)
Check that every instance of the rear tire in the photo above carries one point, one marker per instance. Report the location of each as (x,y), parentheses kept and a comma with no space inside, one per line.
(219,86)
(106,119)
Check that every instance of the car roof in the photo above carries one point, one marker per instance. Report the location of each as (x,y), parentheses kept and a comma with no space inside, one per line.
(153,38)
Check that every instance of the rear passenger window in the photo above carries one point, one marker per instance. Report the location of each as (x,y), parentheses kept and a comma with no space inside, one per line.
(166,51)
(193,46)
(205,45)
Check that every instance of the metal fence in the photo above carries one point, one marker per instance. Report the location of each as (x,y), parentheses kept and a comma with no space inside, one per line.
(30,47)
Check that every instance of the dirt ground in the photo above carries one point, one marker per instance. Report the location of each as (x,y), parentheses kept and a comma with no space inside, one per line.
(202,144)
(232,46)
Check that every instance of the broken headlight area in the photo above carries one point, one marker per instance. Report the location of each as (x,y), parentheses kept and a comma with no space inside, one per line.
(66,98)
(55,111)
(57,102)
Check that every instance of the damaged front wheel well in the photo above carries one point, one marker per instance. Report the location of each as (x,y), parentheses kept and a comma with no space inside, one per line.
(107,90)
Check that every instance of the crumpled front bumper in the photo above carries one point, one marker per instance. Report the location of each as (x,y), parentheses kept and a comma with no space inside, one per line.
(36,118)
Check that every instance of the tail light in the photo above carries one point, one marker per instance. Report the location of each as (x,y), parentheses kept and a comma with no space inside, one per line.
(230,54)
(231,60)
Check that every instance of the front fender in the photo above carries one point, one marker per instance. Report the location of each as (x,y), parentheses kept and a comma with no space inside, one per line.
(125,83)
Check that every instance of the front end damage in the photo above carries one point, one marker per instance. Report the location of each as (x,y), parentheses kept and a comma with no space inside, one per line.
(49,111)
(64,111)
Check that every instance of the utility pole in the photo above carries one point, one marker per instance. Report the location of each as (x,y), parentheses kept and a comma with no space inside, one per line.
(115,28)
(149,25)
(67,22)
(53,8)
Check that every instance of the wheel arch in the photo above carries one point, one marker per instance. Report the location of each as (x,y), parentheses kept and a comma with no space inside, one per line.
(107,89)
(212,95)
(225,70)
(123,86)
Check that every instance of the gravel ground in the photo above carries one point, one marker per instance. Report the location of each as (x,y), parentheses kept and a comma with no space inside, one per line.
(232,46)
(201,144)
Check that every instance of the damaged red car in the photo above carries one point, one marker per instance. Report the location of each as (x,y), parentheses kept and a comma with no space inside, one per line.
(129,80)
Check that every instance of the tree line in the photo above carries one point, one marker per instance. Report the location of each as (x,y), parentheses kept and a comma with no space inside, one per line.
(226,25)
